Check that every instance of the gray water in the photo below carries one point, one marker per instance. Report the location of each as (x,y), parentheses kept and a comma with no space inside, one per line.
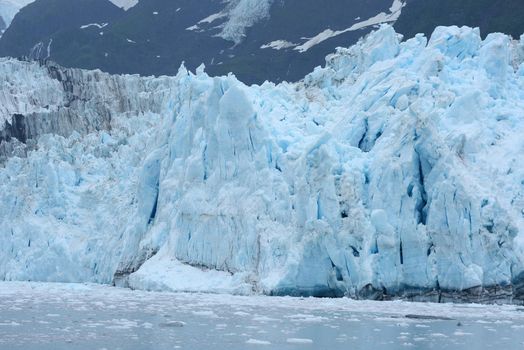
(44,316)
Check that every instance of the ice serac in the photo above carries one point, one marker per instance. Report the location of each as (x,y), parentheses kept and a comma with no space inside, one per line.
(393,171)
(40,98)
(65,136)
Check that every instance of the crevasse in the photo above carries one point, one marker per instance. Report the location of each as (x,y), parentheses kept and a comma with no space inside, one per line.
(393,171)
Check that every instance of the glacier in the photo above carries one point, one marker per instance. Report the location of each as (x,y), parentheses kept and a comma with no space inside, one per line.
(391,172)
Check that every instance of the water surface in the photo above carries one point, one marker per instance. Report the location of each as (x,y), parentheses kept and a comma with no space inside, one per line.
(60,316)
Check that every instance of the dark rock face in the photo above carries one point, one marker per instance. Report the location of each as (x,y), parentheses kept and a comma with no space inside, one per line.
(422,16)
(33,29)
(152,38)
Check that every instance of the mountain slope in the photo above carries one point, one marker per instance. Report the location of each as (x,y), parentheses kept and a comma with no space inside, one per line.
(51,23)
(257,40)
(155,36)
(9,8)
(422,16)
(393,171)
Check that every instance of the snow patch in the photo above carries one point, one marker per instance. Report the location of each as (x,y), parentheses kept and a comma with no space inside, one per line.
(278,45)
(243,14)
(9,9)
(213,17)
(125,4)
(240,15)
(395,12)
(96,25)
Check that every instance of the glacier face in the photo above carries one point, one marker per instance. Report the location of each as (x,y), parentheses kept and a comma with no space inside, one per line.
(57,216)
(393,171)
(37,100)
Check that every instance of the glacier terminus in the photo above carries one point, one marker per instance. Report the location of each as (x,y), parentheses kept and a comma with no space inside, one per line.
(394,171)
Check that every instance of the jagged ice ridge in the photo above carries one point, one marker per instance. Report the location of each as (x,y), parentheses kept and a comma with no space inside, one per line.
(393,171)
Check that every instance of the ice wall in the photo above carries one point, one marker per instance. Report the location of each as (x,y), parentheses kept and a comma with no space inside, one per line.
(38,98)
(393,171)
(70,136)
